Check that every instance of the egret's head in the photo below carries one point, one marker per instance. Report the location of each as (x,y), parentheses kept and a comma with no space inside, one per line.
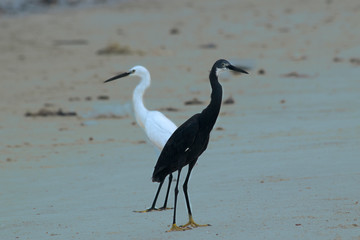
(139,71)
(135,71)
(222,65)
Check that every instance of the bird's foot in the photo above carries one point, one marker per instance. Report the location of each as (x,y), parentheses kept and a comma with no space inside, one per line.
(175,227)
(152,209)
(165,208)
(193,224)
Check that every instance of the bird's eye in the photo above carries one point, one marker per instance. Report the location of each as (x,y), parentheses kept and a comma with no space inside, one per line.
(132,71)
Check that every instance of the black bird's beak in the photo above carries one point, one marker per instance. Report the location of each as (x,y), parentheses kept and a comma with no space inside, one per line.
(236,69)
(119,76)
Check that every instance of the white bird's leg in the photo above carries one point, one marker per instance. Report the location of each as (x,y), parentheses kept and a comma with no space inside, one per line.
(167,194)
(153,208)
(191,222)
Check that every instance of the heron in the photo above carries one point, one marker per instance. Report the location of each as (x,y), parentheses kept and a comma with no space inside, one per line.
(156,125)
(190,140)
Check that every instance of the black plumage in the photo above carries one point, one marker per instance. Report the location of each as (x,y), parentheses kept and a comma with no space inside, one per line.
(190,140)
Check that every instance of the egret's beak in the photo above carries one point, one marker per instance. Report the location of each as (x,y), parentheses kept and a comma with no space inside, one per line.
(236,69)
(119,76)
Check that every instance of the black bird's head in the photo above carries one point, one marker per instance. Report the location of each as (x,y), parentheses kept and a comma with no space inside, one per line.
(223,65)
(135,71)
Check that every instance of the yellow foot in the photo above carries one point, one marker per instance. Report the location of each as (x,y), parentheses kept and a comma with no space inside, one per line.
(148,210)
(193,224)
(174,227)
(164,208)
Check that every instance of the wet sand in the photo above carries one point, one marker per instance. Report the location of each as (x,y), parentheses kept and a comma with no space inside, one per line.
(283,159)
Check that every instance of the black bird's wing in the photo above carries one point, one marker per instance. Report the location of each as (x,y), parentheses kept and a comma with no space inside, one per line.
(173,155)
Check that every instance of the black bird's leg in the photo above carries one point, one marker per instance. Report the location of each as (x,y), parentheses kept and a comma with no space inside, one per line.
(191,222)
(167,194)
(153,208)
(174,227)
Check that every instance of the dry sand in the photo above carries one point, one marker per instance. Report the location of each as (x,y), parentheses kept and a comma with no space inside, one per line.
(282,164)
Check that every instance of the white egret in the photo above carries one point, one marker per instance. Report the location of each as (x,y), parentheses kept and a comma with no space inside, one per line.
(156,125)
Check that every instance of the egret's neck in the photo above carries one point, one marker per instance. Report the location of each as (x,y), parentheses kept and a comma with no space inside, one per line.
(139,107)
(211,112)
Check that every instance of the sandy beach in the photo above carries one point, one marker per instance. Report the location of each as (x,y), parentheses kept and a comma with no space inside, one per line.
(283,158)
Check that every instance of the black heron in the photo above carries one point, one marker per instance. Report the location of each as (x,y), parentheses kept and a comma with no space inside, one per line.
(190,140)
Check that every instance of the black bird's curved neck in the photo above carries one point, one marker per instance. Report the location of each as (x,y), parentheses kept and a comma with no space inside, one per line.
(211,112)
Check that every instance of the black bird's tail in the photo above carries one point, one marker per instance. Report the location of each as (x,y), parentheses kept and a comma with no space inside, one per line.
(159,174)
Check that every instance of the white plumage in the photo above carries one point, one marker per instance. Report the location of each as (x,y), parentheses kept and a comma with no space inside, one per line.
(157,126)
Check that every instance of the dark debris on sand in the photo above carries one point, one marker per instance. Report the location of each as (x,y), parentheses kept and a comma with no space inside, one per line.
(295,75)
(194,101)
(43,112)
(117,49)
(169,109)
(229,100)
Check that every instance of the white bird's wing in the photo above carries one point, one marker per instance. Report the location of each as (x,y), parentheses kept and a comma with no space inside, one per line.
(158,128)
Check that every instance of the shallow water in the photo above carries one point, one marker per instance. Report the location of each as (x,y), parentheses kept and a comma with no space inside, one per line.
(21,7)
